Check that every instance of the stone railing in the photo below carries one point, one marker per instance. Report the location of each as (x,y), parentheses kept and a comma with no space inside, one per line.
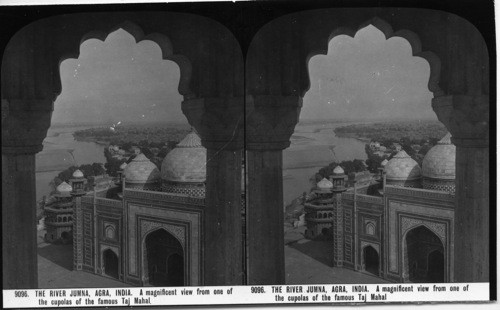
(138,194)
(418,193)
(348,196)
(369,199)
(89,200)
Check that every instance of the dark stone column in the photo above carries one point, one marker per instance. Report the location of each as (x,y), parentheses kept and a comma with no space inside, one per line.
(467,119)
(266,257)
(219,122)
(270,123)
(472,214)
(223,247)
(19,234)
(24,126)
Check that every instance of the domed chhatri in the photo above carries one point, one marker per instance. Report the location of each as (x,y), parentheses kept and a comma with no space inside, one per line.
(141,173)
(183,170)
(324,184)
(187,162)
(63,190)
(438,166)
(338,170)
(78,174)
(64,187)
(402,170)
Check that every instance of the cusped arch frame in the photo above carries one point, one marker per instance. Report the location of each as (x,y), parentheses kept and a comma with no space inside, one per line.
(375,246)
(410,36)
(133,29)
(414,224)
(113,250)
(439,229)
(149,228)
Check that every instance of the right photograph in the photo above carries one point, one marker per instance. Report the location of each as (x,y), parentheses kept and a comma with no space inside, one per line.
(367,148)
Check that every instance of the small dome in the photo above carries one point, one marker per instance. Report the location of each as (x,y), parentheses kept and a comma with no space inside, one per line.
(123,166)
(141,170)
(402,167)
(78,174)
(64,188)
(186,162)
(324,184)
(338,170)
(384,162)
(439,162)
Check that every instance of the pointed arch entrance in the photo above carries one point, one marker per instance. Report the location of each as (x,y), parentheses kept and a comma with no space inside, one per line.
(371,260)
(164,259)
(110,264)
(424,256)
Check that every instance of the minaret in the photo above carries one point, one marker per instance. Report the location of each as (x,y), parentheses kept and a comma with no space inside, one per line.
(77,183)
(338,178)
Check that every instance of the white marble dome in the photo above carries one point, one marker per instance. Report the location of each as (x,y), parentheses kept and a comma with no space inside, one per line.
(338,170)
(141,170)
(324,184)
(402,168)
(439,162)
(64,188)
(78,174)
(186,163)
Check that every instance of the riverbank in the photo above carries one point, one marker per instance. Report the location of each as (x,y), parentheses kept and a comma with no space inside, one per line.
(414,130)
(61,151)
(91,139)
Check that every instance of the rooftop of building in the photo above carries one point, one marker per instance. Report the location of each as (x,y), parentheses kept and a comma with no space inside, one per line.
(186,163)
(402,167)
(141,170)
(439,162)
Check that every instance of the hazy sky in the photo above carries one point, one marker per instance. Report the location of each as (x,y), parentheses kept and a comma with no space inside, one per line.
(368,77)
(362,77)
(119,80)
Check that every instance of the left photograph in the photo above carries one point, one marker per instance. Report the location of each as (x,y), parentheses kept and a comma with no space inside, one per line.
(113,123)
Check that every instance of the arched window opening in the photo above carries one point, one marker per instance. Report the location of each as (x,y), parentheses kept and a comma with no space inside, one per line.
(424,261)
(64,235)
(164,259)
(370,229)
(111,263)
(110,232)
(371,260)
(435,266)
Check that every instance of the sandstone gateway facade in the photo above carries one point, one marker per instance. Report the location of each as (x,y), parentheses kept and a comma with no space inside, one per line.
(399,227)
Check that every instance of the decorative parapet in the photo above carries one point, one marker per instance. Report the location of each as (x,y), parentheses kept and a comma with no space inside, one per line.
(369,199)
(89,200)
(108,202)
(348,196)
(419,193)
(137,194)
(318,207)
